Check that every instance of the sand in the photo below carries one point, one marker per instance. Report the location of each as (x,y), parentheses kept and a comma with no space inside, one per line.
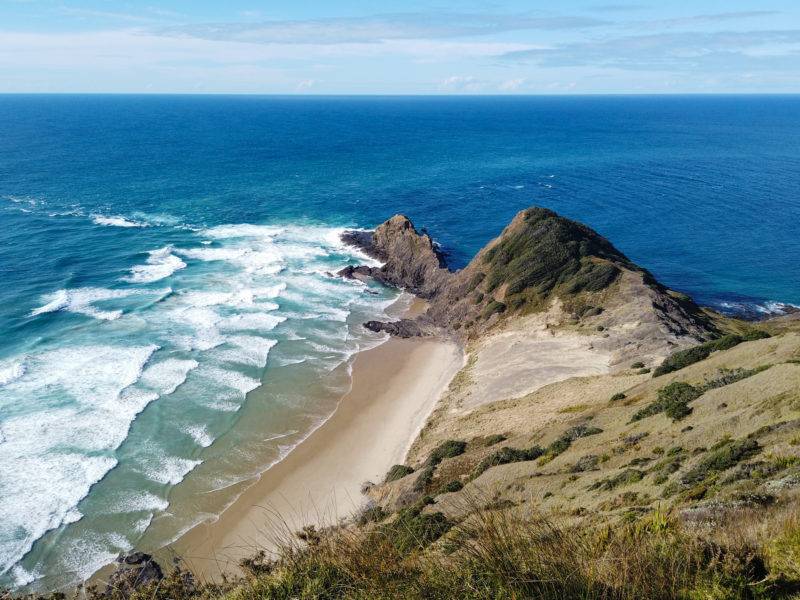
(395,388)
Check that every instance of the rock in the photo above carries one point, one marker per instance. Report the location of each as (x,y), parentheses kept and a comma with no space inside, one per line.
(411,260)
(361,272)
(135,570)
(404,328)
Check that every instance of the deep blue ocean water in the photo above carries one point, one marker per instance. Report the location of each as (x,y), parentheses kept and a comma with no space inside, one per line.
(162,256)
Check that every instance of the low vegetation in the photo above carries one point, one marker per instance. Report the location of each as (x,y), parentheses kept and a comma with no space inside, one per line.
(500,555)
(683,358)
(398,472)
(673,400)
(545,252)
(507,455)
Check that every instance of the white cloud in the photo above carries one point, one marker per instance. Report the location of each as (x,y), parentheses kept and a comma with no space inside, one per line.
(461,83)
(306,85)
(512,85)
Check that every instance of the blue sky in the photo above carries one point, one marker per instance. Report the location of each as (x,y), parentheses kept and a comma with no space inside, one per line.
(400,47)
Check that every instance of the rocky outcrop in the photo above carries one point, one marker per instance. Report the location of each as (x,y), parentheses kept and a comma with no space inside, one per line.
(411,260)
(539,258)
(134,571)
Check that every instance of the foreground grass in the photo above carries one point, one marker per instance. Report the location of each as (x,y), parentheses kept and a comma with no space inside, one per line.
(502,555)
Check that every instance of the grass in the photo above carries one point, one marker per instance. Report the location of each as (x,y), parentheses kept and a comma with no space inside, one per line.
(507,555)
(575,408)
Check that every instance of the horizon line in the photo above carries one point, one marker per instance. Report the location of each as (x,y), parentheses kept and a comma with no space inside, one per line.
(403,95)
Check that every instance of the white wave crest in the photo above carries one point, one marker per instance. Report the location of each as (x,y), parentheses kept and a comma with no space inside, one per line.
(11,372)
(160,264)
(199,434)
(166,376)
(82,300)
(170,470)
(248,350)
(115,221)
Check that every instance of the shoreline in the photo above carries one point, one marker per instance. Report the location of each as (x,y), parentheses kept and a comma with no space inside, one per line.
(394,389)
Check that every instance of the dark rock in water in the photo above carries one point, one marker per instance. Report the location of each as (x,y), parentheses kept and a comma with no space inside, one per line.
(411,260)
(363,241)
(360,272)
(135,570)
(404,328)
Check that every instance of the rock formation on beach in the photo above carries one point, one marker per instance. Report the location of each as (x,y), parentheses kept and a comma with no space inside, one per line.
(540,259)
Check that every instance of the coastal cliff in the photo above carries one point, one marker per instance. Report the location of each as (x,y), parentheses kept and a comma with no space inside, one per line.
(539,261)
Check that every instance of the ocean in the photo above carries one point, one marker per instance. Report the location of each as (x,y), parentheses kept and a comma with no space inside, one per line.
(170,326)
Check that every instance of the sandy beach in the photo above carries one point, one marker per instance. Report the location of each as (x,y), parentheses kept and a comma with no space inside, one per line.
(394,389)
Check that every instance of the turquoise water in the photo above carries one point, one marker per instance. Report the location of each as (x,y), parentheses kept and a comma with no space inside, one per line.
(169,326)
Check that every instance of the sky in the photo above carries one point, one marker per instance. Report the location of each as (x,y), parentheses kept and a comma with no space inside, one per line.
(400,46)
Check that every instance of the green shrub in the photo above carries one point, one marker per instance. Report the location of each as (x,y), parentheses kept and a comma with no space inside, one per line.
(626,477)
(673,400)
(413,530)
(564,441)
(683,358)
(453,486)
(397,472)
(494,439)
(618,396)
(424,479)
(507,455)
(448,449)
(637,365)
(371,514)
(722,458)
(644,371)
(493,307)
(729,376)
(543,252)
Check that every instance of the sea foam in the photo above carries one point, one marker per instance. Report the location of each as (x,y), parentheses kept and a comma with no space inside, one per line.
(160,264)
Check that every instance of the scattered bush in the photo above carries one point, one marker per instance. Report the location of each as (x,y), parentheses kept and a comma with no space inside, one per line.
(626,477)
(424,479)
(448,449)
(637,365)
(494,439)
(729,376)
(683,358)
(673,400)
(507,455)
(493,307)
(397,472)
(453,486)
(545,251)
(618,396)
(721,459)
